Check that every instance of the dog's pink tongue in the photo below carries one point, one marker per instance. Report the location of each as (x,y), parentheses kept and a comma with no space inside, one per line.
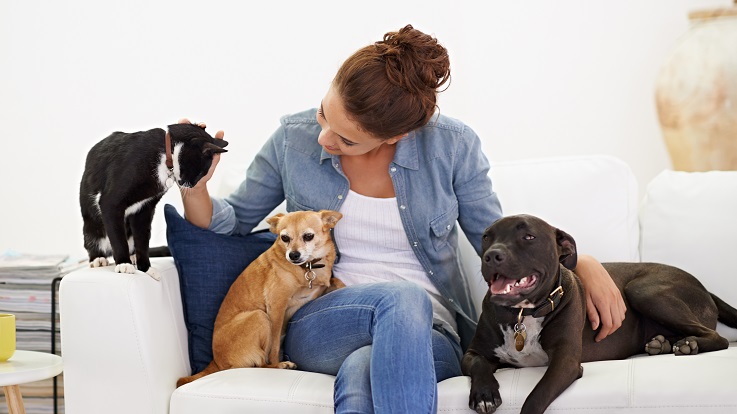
(499,286)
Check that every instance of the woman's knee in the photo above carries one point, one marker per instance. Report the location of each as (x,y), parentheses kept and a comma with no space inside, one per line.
(410,296)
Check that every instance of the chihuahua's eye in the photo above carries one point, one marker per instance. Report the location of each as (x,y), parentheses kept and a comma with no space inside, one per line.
(529,237)
(485,237)
(285,238)
(308,236)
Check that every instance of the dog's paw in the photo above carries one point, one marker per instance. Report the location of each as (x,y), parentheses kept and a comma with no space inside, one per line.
(153,273)
(134,259)
(484,402)
(686,346)
(99,262)
(658,345)
(287,365)
(125,268)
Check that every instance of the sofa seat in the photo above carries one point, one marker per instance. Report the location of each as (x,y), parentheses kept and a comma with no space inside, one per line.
(124,341)
(642,384)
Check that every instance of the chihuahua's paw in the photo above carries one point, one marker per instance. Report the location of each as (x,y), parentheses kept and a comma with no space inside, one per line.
(125,268)
(134,259)
(99,262)
(287,365)
(153,273)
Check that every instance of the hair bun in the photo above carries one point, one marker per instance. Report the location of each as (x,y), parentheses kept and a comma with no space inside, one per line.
(414,60)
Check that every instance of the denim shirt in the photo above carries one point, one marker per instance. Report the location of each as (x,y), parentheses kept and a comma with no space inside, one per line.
(440,178)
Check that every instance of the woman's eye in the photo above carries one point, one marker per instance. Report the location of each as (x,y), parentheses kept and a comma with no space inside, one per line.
(348,143)
(529,237)
(285,238)
(307,237)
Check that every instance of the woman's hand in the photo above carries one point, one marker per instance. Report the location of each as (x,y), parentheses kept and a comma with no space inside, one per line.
(604,303)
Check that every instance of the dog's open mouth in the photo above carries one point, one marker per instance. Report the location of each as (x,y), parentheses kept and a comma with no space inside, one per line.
(501,285)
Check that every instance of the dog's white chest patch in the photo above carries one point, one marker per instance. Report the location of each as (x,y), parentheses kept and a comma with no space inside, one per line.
(532,355)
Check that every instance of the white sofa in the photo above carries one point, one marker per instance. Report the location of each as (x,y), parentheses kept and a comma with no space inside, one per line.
(124,342)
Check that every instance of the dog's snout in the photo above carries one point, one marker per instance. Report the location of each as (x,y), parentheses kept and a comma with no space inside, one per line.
(494,255)
(294,255)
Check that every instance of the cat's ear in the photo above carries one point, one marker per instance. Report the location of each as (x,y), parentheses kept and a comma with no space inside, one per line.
(211,149)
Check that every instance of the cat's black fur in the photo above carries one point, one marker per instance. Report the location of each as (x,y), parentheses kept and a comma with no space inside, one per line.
(126,169)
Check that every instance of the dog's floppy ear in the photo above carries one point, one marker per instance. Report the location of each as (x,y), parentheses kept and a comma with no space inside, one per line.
(567,252)
(330,218)
(274,221)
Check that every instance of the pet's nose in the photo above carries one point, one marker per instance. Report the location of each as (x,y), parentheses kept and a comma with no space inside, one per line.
(495,255)
(294,255)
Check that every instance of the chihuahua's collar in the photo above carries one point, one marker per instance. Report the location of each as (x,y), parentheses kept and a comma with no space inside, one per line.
(169,159)
(312,264)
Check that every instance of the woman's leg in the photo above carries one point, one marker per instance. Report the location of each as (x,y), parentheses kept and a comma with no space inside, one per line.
(447,353)
(395,319)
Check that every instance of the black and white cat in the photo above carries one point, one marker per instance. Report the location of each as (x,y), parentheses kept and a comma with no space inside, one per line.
(125,176)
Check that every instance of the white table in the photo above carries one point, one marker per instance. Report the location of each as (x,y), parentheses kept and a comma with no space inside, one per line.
(24,367)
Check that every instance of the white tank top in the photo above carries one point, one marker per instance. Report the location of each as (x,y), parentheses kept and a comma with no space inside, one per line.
(374,248)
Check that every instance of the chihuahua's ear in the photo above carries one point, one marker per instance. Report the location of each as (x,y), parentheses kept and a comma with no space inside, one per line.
(220,142)
(274,221)
(330,218)
(567,252)
(211,149)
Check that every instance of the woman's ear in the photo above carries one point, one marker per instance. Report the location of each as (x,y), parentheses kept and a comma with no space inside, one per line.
(392,141)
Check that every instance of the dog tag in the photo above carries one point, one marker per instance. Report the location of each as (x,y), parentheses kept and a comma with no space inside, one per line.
(310,276)
(520,336)
(519,340)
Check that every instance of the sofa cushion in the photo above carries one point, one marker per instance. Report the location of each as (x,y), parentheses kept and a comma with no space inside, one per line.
(687,220)
(207,264)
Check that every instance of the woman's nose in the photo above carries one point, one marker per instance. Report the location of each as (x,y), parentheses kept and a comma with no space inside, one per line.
(326,138)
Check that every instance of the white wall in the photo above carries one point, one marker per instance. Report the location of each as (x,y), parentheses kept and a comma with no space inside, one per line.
(534,78)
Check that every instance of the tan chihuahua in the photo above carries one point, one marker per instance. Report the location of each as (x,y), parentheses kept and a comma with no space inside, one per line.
(253,317)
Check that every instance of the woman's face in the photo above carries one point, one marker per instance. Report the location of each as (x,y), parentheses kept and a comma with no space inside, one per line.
(341,135)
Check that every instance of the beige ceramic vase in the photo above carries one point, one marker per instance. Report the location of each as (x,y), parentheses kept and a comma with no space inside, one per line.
(696,94)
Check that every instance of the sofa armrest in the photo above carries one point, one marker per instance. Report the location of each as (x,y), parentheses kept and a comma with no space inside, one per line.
(124,342)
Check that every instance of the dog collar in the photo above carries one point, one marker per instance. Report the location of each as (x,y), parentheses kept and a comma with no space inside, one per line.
(550,304)
(312,264)
(169,159)
(309,273)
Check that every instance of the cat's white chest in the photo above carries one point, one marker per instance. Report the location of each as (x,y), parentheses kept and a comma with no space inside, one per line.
(532,355)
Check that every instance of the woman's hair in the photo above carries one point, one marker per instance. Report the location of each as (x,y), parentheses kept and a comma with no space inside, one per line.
(390,88)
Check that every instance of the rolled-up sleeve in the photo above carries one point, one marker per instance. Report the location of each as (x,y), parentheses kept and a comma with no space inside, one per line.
(260,192)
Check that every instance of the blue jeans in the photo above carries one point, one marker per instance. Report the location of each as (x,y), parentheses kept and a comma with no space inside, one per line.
(379,342)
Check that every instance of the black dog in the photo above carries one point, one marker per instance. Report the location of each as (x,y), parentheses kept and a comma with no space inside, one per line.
(534,313)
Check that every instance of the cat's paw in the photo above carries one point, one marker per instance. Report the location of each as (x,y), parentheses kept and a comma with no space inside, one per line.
(134,259)
(99,262)
(153,273)
(125,268)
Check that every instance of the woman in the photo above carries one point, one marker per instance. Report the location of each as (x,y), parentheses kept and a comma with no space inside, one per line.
(402,176)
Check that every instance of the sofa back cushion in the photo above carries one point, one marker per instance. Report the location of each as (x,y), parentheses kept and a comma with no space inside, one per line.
(592,198)
(689,220)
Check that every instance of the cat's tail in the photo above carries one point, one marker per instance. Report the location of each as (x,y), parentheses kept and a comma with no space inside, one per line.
(160,251)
